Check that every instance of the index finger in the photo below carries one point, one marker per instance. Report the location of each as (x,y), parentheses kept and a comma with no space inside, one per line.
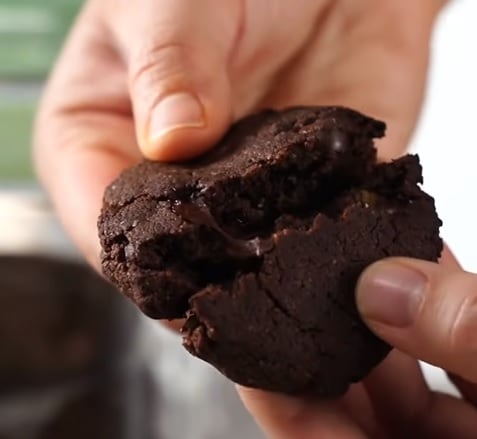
(84,134)
(284,417)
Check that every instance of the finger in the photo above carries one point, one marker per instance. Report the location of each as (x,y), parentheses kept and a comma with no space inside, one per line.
(403,402)
(397,390)
(358,405)
(373,50)
(79,204)
(84,135)
(424,309)
(448,258)
(283,417)
(446,417)
(177,68)
(467,389)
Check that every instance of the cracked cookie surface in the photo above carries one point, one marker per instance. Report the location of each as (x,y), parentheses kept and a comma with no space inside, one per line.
(260,242)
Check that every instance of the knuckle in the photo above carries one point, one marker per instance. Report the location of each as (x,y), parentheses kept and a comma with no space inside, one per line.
(160,66)
(463,330)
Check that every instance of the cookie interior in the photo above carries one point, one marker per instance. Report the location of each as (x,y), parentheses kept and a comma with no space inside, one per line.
(225,230)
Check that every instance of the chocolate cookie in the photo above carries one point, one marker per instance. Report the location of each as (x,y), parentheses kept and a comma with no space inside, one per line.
(259,244)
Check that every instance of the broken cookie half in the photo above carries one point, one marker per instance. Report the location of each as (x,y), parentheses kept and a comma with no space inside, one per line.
(259,245)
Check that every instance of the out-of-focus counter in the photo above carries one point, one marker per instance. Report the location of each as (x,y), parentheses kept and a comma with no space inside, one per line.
(76,358)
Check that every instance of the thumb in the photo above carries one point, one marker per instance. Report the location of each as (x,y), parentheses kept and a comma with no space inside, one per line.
(176,52)
(423,309)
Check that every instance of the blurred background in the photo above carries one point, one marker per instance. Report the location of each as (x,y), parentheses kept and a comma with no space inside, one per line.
(76,360)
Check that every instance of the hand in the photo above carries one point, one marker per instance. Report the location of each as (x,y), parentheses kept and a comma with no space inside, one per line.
(427,311)
(166,78)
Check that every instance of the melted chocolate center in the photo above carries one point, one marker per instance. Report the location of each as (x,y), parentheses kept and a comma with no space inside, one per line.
(236,248)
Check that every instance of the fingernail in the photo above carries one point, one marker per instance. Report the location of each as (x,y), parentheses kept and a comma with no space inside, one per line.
(176,111)
(390,293)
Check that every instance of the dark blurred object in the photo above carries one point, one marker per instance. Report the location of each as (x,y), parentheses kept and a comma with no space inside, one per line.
(68,362)
(112,409)
(58,320)
(108,386)
(98,413)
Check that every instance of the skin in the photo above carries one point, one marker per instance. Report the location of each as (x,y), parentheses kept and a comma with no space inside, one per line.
(122,61)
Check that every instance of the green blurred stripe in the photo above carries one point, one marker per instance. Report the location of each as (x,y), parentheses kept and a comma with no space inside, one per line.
(15,132)
(26,56)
